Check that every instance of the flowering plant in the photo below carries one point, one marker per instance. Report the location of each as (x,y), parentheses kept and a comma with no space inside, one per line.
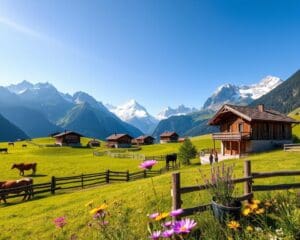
(220,184)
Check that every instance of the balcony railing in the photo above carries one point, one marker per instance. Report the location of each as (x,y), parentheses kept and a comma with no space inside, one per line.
(234,136)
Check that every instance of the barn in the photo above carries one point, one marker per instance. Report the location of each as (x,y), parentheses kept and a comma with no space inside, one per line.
(120,140)
(246,129)
(143,140)
(168,137)
(68,138)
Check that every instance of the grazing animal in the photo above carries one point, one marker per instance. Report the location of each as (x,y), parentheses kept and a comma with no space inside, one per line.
(171,158)
(3,150)
(16,186)
(11,144)
(24,145)
(25,166)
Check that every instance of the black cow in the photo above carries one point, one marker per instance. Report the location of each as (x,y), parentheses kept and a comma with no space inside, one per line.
(171,158)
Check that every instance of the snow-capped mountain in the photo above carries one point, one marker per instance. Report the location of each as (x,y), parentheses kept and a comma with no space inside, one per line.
(135,114)
(242,95)
(180,110)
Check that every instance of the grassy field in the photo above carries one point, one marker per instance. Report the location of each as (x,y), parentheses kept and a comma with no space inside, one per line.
(129,203)
(296,115)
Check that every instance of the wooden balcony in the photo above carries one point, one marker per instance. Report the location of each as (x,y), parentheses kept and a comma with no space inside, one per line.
(231,136)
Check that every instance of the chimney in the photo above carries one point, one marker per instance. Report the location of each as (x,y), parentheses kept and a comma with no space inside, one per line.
(261,107)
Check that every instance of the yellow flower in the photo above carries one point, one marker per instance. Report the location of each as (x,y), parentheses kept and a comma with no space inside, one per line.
(89,204)
(249,228)
(98,209)
(253,206)
(268,204)
(260,211)
(233,225)
(255,201)
(246,211)
(162,216)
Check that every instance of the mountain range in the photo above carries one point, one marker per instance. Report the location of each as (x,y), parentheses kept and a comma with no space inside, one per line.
(36,110)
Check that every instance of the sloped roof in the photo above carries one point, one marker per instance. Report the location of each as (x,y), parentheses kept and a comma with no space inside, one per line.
(143,137)
(117,136)
(250,114)
(168,134)
(67,133)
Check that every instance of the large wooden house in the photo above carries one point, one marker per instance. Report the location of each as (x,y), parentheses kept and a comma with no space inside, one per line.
(67,138)
(251,129)
(167,137)
(143,140)
(119,140)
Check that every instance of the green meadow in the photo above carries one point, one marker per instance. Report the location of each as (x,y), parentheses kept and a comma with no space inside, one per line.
(128,203)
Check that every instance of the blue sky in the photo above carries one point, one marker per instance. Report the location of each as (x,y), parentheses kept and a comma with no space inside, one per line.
(162,53)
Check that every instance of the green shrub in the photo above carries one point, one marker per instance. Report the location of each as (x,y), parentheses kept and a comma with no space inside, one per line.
(187,151)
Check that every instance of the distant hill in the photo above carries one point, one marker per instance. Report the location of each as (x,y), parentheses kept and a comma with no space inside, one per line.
(10,132)
(186,125)
(284,98)
(31,121)
(95,122)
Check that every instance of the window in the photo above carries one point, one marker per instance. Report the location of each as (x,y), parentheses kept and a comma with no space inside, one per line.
(241,127)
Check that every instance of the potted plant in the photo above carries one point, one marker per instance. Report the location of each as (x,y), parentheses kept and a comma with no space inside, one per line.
(221,187)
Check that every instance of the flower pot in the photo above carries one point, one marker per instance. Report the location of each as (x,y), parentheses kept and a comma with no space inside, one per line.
(223,213)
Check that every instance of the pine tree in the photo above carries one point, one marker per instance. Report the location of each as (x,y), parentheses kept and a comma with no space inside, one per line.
(187,151)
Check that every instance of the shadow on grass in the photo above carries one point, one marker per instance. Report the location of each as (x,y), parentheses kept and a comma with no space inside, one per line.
(9,204)
(36,175)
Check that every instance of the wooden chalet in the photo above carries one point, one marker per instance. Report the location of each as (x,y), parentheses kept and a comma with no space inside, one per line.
(168,137)
(119,140)
(250,129)
(67,138)
(143,140)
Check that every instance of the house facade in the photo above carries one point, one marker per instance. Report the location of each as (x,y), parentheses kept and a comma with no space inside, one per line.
(67,138)
(119,141)
(250,129)
(143,140)
(168,137)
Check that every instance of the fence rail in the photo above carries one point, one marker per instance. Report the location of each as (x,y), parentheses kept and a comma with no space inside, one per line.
(292,147)
(82,181)
(249,188)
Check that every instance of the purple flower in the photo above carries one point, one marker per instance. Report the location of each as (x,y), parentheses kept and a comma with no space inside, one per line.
(167,224)
(60,222)
(153,215)
(167,233)
(184,225)
(155,235)
(176,212)
(148,164)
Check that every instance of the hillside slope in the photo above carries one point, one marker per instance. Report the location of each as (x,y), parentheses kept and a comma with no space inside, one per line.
(10,132)
(284,98)
(94,122)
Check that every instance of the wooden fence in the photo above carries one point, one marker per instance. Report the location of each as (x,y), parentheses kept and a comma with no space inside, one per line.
(85,180)
(295,147)
(248,178)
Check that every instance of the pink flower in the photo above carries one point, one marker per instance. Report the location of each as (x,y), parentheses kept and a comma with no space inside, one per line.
(148,164)
(167,233)
(60,222)
(155,235)
(167,224)
(184,225)
(153,215)
(176,212)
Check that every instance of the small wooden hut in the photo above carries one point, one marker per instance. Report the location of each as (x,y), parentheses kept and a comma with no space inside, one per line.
(120,140)
(68,138)
(143,140)
(168,137)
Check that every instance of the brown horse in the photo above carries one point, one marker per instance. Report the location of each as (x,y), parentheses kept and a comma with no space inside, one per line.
(16,186)
(25,166)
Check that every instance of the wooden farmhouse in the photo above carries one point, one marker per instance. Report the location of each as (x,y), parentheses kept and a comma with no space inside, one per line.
(143,140)
(251,129)
(119,141)
(167,137)
(67,138)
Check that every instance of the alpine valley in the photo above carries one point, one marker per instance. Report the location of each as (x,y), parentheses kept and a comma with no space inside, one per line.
(36,110)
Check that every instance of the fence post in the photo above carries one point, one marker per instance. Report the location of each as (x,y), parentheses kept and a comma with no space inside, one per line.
(247,173)
(81,180)
(107,176)
(145,173)
(53,184)
(127,176)
(175,192)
